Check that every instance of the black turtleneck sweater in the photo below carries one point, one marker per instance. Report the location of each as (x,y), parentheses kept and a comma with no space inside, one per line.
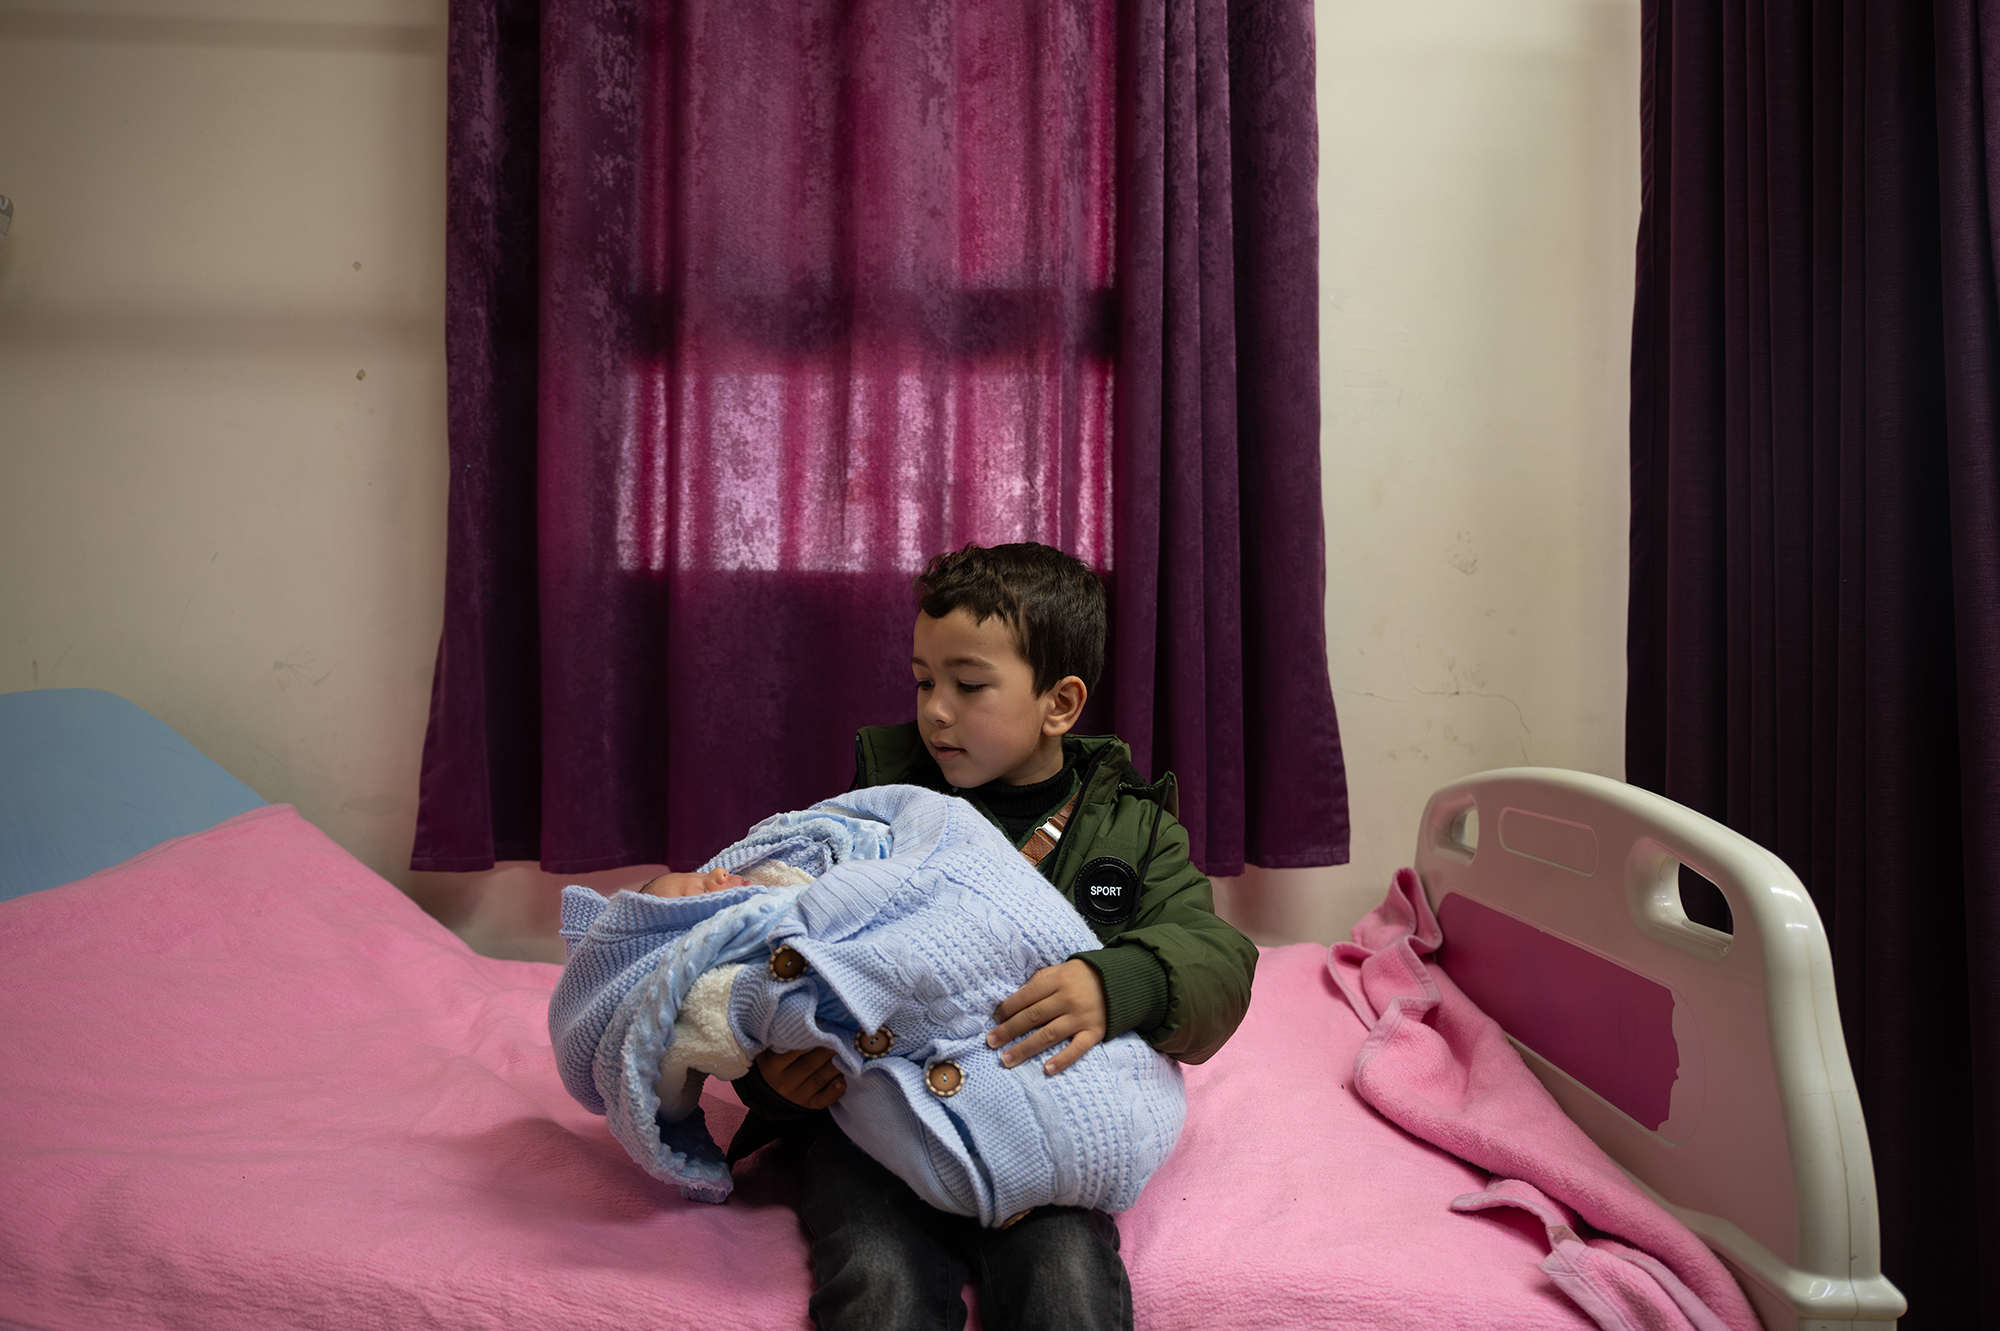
(1020,809)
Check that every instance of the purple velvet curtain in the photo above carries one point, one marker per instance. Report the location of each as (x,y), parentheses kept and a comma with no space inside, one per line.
(1814,651)
(753,306)
(1219,659)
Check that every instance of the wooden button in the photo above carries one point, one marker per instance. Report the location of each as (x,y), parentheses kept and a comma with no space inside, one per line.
(787,964)
(876,1045)
(1015,1218)
(944,1079)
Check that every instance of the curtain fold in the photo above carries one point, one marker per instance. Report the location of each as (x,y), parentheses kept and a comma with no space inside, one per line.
(1220,666)
(1968,44)
(753,306)
(480,787)
(1812,639)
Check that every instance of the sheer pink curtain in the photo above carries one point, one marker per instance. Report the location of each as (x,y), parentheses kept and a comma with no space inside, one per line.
(881,239)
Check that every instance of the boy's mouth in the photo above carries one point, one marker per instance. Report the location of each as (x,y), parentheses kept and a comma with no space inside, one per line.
(943,752)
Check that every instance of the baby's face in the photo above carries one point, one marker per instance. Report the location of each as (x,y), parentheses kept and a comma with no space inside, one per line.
(692,884)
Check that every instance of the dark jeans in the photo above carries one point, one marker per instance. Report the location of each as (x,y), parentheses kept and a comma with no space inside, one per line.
(884,1261)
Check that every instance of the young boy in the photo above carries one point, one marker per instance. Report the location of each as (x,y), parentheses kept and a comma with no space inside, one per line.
(1008,643)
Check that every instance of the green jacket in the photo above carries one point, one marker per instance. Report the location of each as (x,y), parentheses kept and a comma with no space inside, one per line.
(1175,971)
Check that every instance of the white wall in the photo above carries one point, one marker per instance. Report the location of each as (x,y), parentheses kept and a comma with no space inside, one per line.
(227,213)
(1479,200)
(222,443)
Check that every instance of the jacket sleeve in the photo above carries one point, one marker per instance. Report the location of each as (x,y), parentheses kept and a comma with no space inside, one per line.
(1179,974)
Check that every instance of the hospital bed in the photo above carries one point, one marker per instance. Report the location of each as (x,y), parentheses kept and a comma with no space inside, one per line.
(248,1083)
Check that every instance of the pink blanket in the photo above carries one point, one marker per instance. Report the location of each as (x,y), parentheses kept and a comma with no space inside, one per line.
(1438,1066)
(248,1084)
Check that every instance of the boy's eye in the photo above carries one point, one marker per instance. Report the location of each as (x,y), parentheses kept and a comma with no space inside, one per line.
(923,684)
(966,686)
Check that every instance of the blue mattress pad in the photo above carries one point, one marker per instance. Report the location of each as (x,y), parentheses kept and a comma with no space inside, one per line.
(88,780)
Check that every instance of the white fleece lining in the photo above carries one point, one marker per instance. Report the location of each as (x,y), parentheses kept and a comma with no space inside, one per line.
(703,1045)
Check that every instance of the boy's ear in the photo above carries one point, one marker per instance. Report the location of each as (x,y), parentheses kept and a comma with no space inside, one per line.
(1064,705)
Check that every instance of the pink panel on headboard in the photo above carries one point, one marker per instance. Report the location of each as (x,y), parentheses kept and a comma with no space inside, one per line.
(1610,1028)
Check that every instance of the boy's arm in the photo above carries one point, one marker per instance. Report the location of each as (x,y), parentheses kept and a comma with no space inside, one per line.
(762,1100)
(784,1084)
(798,1086)
(1179,975)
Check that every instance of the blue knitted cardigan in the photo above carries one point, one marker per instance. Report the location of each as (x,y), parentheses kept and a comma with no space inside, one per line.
(919,920)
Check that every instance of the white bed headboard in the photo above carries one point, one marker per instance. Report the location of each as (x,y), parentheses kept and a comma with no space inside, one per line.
(1709,1065)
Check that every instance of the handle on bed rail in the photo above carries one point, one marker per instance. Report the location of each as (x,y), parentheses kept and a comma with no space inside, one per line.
(1754,882)
(1452,826)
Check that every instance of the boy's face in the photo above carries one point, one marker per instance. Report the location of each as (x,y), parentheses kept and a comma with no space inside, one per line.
(977,708)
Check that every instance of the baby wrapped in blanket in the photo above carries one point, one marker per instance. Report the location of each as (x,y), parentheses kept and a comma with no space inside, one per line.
(885,927)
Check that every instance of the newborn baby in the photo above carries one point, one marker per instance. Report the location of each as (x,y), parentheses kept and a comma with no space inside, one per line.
(693,884)
(884,928)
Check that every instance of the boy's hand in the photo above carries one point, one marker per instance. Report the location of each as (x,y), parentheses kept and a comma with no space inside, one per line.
(806,1077)
(1066,1002)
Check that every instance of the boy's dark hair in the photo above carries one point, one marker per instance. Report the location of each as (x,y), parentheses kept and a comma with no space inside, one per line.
(1051,600)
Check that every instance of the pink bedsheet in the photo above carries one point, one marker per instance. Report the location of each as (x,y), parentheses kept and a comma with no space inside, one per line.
(248,1084)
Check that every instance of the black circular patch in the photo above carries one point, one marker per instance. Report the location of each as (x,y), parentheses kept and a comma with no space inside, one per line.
(1107,890)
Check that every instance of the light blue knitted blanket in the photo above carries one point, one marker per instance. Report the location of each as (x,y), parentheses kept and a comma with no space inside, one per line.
(919,920)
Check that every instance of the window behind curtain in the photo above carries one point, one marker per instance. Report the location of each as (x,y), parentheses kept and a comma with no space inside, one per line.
(877,243)
(753,307)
